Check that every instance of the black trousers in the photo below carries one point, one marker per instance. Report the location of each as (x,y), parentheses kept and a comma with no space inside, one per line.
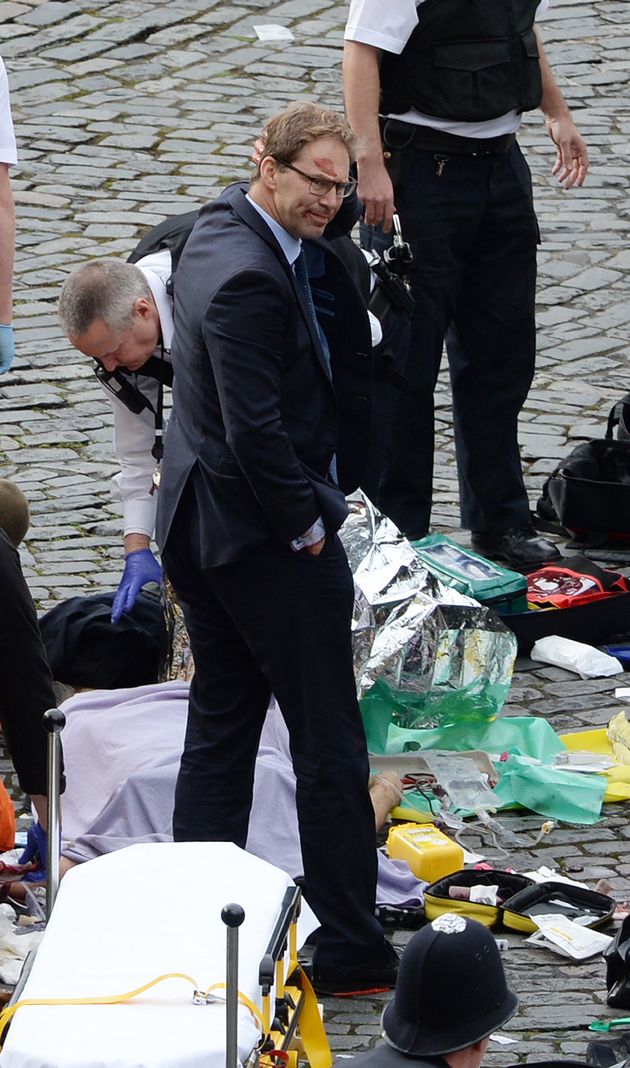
(279,622)
(26,689)
(471,224)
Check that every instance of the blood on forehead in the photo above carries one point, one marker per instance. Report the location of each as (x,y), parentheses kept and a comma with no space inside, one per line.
(326,165)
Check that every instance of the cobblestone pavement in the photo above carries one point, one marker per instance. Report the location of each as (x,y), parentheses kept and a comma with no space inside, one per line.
(127,111)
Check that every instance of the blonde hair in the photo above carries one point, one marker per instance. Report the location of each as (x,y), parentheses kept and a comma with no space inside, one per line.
(287,133)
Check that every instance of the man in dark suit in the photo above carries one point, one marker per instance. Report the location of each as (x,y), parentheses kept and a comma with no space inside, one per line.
(269,428)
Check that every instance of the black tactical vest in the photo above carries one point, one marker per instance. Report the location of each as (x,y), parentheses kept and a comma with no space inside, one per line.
(468,60)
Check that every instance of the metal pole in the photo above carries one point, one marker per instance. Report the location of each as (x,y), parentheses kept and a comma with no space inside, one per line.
(232,916)
(54,722)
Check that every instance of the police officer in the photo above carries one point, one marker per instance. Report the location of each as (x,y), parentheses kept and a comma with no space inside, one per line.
(450,80)
(450,996)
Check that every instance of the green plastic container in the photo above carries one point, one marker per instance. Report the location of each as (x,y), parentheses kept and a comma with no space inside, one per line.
(488,582)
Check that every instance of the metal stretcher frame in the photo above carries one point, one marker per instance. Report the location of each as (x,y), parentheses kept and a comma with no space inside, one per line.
(292,1029)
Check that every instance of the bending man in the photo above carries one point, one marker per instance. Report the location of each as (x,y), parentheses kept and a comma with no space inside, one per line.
(121,315)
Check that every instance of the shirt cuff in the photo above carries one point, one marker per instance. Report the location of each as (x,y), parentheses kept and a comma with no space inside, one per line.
(376,329)
(139,516)
(311,537)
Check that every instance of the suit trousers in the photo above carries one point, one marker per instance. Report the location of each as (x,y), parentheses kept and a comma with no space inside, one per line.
(279,622)
(471,225)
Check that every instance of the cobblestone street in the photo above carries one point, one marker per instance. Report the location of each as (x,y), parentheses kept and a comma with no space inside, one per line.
(128,111)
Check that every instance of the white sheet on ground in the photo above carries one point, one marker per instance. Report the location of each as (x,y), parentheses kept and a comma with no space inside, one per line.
(117,923)
(122,751)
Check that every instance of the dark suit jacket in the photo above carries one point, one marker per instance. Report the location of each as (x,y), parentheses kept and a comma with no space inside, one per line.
(256,418)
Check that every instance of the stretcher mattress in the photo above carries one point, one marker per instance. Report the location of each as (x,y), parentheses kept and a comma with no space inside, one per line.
(126,918)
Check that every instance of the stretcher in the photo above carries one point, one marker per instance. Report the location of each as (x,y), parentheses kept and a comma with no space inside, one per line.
(133,972)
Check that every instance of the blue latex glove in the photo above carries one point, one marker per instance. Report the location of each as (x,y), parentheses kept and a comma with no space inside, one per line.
(140,567)
(7,347)
(36,850)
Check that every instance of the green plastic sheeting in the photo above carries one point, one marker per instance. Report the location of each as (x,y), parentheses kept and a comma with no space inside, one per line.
(470,705)
(573,797)
(525,735)
(553,792)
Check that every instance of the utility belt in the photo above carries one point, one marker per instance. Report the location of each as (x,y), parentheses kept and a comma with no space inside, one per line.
(398,135)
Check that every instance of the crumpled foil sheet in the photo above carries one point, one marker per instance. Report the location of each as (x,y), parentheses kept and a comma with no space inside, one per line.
(417,635)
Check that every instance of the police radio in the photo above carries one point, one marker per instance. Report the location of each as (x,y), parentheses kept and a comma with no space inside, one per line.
(120,385)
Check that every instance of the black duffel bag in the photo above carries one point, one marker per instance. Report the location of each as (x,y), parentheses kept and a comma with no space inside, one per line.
(589,491)
(86,650)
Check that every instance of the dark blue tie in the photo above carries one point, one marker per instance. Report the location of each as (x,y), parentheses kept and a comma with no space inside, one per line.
(302,276)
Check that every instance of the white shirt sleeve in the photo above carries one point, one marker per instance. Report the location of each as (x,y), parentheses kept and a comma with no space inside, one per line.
(387,26)
(8,152)
(134,436)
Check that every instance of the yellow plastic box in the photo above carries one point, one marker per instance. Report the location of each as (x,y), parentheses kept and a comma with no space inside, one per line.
(429,853)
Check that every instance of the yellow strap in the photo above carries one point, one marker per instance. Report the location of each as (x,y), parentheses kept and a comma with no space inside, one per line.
(8,1013)
(312,1031)
(244,1000)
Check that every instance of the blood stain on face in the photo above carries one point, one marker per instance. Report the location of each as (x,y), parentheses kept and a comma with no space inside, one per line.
(325,165)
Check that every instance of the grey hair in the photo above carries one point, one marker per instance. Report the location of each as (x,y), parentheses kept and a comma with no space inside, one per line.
(101,289)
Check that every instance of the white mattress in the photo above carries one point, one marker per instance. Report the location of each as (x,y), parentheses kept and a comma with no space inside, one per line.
(126,918)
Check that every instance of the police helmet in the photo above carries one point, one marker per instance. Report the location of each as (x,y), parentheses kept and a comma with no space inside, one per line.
(451,990)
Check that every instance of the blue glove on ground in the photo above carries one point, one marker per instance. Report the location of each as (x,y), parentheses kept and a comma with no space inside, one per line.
(36,850)
(140,567)
(7,347)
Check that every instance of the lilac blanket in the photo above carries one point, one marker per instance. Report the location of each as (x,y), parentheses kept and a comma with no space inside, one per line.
(122,750)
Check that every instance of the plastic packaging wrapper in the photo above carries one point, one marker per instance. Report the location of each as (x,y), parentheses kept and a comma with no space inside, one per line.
(585,660)
(618,733)
(433,655)
(15,945)
(528,776)
(568,938)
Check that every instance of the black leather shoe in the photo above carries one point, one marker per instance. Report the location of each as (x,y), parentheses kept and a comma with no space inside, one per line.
(347,981)
(522,549)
